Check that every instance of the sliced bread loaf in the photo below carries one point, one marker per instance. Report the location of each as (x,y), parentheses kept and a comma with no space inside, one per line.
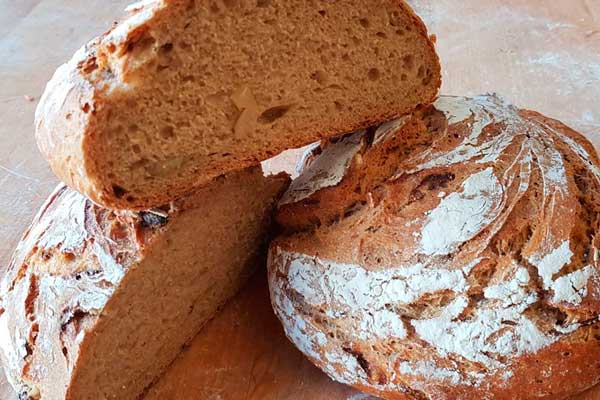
(183,90)
(96,303)
(453,255)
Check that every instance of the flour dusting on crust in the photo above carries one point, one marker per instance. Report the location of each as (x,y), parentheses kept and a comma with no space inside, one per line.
(325,171)
(435,318)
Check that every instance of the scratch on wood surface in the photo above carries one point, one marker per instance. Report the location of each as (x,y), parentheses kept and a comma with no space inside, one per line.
(15,173)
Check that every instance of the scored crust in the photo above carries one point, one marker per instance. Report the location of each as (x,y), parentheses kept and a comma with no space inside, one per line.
(455,256)
(183,91)
(96,303)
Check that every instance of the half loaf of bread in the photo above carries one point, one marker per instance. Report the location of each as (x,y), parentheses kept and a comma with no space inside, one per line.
(452,255)
(183,91)
(96,303)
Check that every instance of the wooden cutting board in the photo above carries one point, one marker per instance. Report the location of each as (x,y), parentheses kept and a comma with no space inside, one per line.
(539,54)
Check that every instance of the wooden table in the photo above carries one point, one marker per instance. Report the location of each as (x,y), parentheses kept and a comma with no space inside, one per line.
(540,54)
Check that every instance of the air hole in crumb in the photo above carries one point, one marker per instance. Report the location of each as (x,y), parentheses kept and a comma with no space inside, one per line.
(381,35)
(86,108)
(399,32)
(68,116)
(133,128)
(263,3)
(130,199)
(403,77)
(118,191)
(364,22)
(322,13)
(319,76)
(189,78)
(136,148)
(408,61)
(273,114)
(345,57)
(421,71)
(338,105)
(167,132)
(355,40)
(230,3)
(373,74)
(394,18)
(166,48)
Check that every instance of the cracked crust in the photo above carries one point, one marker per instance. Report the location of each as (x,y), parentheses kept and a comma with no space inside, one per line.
(96,303)
(455,258)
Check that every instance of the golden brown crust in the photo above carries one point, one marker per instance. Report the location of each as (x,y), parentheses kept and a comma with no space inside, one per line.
(454,257)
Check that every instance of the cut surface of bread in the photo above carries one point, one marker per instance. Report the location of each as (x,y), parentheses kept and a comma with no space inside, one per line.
(185,90)
(450,255)
(97,303)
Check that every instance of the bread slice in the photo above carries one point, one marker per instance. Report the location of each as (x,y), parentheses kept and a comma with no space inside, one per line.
(452,255)
(96,303)
(185,90)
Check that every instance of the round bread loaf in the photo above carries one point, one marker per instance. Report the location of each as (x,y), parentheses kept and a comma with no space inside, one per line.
(449,255)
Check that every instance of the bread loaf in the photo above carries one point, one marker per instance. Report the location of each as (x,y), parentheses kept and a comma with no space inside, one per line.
(450,255)
(183,91)
(96,303)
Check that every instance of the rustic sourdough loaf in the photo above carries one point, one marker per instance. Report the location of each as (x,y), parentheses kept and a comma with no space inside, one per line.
(96,303)
(450,255)
(185,90)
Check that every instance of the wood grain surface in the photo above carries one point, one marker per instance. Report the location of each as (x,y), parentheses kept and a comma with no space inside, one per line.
(540,54)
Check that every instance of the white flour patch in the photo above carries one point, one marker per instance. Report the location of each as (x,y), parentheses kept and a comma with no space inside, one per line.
(353,287)
(428,370)
(551,263)
(504,332)
(326,170)
(570,288)
(456,111)
(387,128)
(485,110)
(462,215)
(512,292)
(361,296)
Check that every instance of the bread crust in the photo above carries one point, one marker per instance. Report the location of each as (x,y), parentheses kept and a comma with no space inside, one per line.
(74,110)
(454,257)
